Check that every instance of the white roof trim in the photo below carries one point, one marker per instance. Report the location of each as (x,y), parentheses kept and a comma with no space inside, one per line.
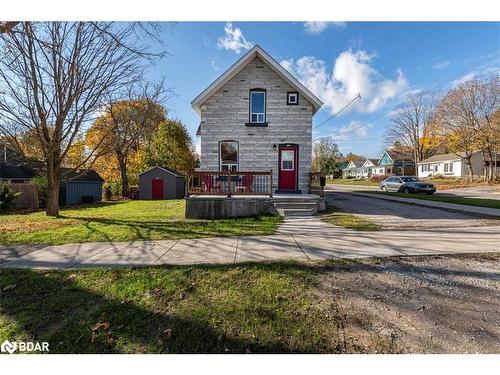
(256,51)
(163,169)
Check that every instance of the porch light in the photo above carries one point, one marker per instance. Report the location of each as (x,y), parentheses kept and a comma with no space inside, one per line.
(275,147)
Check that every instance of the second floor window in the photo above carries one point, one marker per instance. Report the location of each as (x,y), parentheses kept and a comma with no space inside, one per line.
(257,106)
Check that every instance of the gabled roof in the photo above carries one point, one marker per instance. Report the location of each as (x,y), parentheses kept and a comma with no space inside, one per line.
(355,164)
(442,157)
(341,165)
(379,161)
(373,162)
(256,51)
(20,171)
(168,170)
(80,175)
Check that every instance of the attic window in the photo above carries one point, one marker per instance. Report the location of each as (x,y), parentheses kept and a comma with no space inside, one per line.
(292,98)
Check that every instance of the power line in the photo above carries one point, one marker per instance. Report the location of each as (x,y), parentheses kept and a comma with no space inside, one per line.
(339,111)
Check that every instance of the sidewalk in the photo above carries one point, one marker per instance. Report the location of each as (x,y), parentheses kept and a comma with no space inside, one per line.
(302,239)
(475,210)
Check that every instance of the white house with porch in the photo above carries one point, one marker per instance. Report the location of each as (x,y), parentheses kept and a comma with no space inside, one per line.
(255,130)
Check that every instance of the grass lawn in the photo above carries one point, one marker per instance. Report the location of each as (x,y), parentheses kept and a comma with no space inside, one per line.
(351,221)
(124,221)
(349,181)
(490,203)
(391,305)
(247,308)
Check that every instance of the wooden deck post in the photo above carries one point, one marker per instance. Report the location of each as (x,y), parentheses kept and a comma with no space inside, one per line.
(229,184)
(271,184)
(186,184)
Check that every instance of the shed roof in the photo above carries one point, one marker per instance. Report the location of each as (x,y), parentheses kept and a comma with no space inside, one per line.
(80,175)
(166,169)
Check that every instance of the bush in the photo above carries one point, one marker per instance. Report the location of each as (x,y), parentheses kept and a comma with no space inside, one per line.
(7,196)
(86,199)
(378,178)
(41,186)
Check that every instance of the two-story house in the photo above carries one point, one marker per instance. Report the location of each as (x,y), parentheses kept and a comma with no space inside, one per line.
(257,117)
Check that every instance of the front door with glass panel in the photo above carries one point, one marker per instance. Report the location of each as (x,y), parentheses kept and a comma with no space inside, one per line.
(287,178)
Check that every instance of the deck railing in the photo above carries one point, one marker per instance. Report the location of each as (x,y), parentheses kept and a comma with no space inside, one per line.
(229,183)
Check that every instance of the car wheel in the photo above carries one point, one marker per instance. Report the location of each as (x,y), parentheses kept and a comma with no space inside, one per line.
(429,193)
(384,188)
(406,190)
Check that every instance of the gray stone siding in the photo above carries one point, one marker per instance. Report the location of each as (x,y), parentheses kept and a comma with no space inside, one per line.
(224,115)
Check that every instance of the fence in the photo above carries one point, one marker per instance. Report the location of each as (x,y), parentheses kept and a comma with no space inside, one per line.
(28,197)
(229,183)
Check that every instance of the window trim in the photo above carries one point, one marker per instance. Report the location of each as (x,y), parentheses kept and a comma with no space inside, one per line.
(288,102)
(250,122)
(237,153)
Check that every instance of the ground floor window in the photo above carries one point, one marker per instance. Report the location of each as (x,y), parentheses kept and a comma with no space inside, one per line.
(228,156)
(388,170)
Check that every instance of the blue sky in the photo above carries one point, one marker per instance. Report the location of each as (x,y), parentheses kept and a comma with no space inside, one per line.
(382,60)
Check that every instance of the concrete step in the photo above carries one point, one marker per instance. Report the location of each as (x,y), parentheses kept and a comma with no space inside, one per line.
(287,212)
(295,205)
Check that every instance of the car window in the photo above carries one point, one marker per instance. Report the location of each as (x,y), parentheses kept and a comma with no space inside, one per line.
(409,179)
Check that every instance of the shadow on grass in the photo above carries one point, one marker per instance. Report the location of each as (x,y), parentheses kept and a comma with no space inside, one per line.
(49,306)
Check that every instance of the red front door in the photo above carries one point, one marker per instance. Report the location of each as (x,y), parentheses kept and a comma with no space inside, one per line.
(157,189)
(287,178)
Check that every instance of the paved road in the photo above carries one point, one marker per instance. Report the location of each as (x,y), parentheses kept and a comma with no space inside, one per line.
(395,215)
(483,192)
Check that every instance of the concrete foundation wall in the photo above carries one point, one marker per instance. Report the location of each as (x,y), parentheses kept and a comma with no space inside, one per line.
(223,208)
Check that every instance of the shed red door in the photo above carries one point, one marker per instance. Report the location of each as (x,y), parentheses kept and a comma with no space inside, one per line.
(287,177)
(157,188)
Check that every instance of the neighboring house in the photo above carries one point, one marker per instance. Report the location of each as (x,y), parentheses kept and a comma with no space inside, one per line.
(455,165)
(354,169)
(161,183)
(337,172)
(16,174)
(257,117)
(392,164)
(79,185)
(369,167)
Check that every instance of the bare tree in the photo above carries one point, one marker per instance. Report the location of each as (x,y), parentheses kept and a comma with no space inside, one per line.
(56,76)
(410,126)
(467,118)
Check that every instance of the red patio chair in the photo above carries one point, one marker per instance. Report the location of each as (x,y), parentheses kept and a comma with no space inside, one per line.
(209,185)
(247,183)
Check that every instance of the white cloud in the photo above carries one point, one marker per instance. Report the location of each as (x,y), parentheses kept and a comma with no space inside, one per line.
(352,73)
(354,130)
(316,27)
(440,65)
(233,40)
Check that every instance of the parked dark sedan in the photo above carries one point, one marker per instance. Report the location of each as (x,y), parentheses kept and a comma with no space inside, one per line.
(407,184)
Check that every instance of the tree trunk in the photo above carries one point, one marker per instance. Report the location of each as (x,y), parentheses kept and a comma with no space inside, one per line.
(469,167)
(123,175)
(53,183)
(491,174)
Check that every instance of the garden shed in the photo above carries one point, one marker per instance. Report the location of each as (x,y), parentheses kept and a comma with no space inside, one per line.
(161,183)
(80,186)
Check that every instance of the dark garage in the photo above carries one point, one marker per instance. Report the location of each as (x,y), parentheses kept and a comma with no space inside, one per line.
(161,183)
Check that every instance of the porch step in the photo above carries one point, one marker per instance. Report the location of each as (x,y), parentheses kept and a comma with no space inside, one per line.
(286,212)
(296,207)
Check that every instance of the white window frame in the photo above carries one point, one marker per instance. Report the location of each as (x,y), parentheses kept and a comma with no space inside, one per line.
(293,160)
(263,114)
(230,165)
(290,95)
